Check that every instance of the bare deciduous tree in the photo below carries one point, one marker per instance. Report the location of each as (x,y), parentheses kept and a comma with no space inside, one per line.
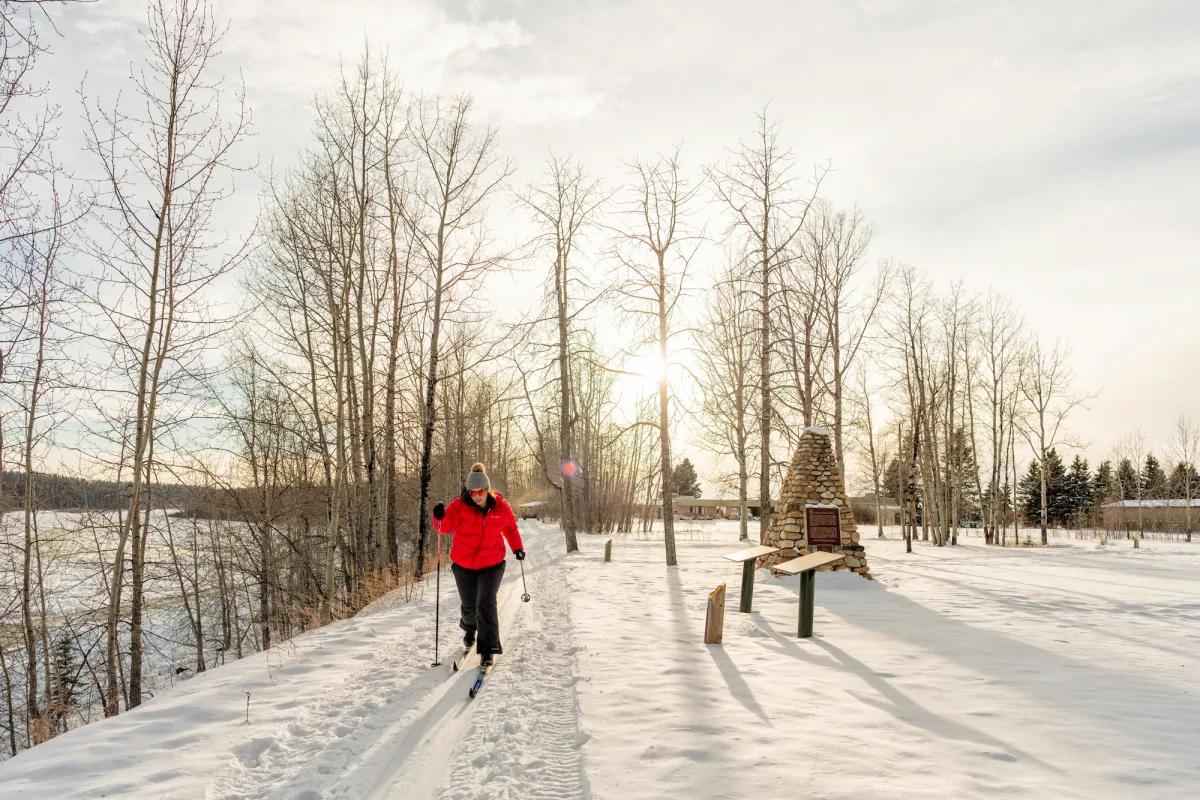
(564,205)
(165,168)
(834,245)
(727,351)
(655,250)
(1046,387)
(459,171)
(759,188)
(1185,446)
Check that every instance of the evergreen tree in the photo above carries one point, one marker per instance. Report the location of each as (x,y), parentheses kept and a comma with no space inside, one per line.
(890,482)
(1004,496)
(1029,490)
(1104,487)
(1154,479)
(1077,491)
(1183,477)
(684,481)
(67,667)
(969,503)
(1058,500)
(1128,480)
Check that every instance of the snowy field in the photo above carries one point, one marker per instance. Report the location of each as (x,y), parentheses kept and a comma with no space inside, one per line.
(968,672)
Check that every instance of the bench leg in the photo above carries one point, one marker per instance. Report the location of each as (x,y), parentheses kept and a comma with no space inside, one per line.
(808,585)
(747,585)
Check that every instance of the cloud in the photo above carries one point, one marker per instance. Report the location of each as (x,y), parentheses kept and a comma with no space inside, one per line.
(295,47)
(535,99)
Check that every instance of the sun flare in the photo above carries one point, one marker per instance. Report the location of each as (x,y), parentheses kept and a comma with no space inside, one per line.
(650,366)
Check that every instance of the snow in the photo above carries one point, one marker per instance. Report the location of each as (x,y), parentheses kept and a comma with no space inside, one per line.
(973,672)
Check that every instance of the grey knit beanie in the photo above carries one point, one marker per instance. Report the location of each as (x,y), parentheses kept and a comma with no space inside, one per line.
(477,479)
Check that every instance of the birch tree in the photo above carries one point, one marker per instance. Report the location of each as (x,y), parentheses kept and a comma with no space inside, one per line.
(655,252)
(878,454)
(564,205)
(459,170)
(1046,387)
(835,244)
(1185,446)
(1001,341)
(727,351)
(759,188)
(165,166)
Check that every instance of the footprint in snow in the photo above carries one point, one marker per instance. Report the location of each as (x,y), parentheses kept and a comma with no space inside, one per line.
(249,752)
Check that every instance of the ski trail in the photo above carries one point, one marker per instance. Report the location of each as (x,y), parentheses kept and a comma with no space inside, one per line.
(412,759)
(409,762)
(523,739)
(393,727)
(301,758)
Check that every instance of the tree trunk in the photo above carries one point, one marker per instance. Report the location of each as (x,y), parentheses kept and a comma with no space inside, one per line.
(567,473)
(764,378)
(664,420)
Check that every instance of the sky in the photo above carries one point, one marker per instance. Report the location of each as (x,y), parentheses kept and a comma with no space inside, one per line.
(1045,150)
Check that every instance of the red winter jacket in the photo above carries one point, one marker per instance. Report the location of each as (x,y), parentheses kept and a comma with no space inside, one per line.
(478,531)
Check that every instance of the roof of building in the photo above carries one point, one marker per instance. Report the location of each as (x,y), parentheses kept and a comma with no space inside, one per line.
(1178,503)
(708,501)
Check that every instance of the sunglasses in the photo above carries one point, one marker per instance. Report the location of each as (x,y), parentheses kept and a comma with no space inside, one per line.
(479,493)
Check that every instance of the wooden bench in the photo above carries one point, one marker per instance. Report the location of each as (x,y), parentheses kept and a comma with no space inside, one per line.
(806,568)
(748,558)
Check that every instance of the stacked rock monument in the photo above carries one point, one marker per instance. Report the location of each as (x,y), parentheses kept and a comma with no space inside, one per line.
(814,484)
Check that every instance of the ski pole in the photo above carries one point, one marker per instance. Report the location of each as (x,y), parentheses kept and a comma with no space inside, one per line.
(524,597)
(437,603)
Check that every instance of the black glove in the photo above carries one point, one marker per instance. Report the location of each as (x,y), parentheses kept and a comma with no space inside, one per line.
(439,511)
(520,554)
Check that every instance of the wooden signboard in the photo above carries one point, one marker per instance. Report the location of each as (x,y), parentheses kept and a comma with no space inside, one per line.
(807,563)
(751,553)
(824,527)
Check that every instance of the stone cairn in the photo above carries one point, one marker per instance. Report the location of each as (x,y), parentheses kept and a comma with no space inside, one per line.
(813,480)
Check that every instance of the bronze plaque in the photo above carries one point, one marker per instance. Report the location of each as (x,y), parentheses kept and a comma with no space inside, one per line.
(824,527)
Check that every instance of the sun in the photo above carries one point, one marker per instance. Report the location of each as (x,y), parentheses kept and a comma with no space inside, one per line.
(650,366)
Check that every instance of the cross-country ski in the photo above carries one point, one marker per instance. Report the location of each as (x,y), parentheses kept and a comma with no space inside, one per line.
(479,679)
(460,658)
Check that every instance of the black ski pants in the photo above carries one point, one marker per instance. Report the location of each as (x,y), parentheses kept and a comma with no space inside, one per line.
(477,590)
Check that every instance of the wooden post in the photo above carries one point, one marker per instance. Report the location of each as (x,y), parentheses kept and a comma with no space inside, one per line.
(749,560)
(714,624)
(808,587)
(608,551)
(806,567)
(747,585)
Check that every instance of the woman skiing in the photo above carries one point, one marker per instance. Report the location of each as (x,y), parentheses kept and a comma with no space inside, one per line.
(481,520)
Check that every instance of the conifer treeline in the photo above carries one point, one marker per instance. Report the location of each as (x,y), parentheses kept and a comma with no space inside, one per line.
(1077,494)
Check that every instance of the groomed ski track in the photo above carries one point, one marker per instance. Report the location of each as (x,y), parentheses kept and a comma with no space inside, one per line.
(399,728)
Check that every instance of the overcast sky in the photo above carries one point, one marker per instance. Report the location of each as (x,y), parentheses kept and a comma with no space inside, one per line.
(1049,150)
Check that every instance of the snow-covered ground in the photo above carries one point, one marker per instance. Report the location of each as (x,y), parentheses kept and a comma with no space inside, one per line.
(1066,672)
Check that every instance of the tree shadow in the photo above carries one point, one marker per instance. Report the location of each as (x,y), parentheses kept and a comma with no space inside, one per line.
(907,710)
(700,707)
(898,704)
(1133,702)
(738,688)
